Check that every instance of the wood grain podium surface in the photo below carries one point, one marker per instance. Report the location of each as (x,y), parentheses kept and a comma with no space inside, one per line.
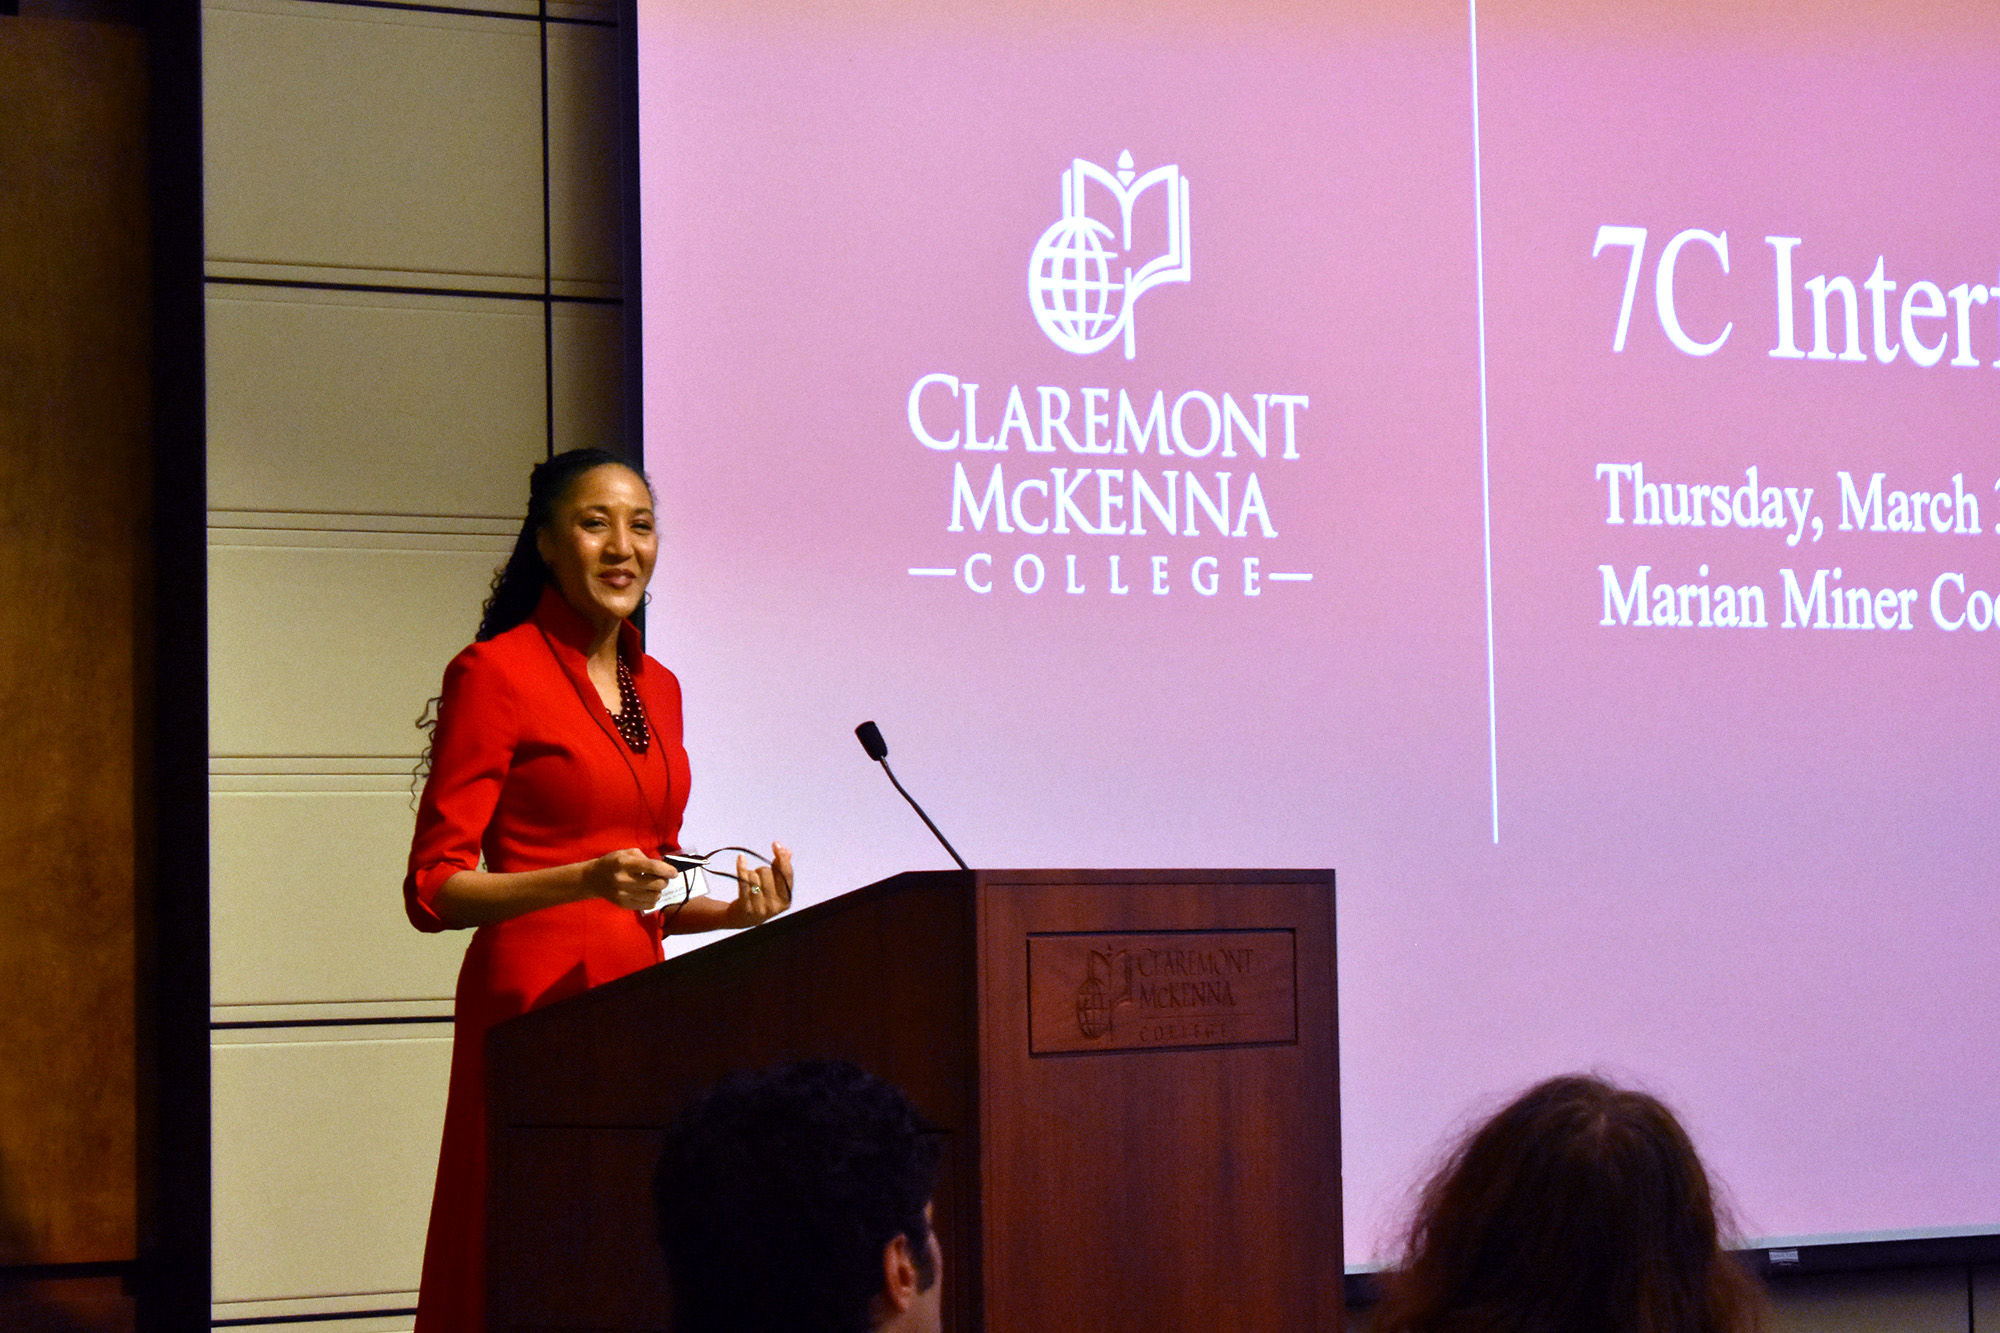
(1137,1071)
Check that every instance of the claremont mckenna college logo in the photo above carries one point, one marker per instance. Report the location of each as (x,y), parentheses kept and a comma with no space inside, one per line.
(1071,284)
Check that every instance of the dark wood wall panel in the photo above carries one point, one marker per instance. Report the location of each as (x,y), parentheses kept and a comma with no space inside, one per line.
(74,443)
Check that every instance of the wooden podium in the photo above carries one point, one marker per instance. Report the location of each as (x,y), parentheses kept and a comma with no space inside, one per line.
(1137,1070)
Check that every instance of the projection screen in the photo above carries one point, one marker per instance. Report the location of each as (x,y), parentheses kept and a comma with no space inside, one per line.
(1537,461)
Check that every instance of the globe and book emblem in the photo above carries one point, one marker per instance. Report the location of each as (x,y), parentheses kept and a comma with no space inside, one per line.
(1081,283)
(1096,1003)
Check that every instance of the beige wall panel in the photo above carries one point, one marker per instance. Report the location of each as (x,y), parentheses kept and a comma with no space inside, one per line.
(1917,1301)
(333,651)
(588,353)
(305,901)
(348,404)
(325,1153)
(583,153)
(346,136)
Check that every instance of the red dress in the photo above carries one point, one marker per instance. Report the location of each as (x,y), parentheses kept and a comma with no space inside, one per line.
(528,768)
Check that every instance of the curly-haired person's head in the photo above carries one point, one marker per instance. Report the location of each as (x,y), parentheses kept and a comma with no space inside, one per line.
(1579,1208)
(788,1198)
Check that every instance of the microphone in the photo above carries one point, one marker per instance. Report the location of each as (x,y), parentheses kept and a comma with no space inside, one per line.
(871,740)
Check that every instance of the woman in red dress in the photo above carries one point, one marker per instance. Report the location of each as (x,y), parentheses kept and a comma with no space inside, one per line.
(557,778)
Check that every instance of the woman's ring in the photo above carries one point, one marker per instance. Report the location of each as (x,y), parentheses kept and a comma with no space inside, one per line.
(755,889)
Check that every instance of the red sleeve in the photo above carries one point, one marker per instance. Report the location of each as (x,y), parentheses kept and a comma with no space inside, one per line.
(471,751)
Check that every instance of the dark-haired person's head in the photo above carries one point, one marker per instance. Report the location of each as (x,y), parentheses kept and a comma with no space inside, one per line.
(589,531)
(797,1200)
(1579,1208)
(552,484)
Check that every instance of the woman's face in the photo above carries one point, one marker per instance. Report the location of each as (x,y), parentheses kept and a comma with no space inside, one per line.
(600,544)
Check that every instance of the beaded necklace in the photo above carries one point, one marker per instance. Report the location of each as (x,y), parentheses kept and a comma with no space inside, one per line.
(630,718)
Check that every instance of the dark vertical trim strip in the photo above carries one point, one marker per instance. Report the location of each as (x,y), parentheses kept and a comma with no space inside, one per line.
(548,283)
(173,1283)
(632,376)
(630,271)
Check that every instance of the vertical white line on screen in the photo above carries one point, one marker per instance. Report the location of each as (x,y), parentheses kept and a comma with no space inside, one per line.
(1485,475)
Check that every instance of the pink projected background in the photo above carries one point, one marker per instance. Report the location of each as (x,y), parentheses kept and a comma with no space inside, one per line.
(1706,805)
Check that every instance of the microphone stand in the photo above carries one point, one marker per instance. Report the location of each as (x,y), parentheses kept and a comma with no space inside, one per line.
(884,761)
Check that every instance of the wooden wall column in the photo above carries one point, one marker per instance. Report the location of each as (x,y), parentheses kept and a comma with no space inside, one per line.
(75,440)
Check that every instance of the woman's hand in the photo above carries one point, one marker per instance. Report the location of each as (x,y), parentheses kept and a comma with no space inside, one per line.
(761,891)
(629,878)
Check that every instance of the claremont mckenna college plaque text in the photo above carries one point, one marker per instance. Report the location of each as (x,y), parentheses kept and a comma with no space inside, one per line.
(1125,991)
